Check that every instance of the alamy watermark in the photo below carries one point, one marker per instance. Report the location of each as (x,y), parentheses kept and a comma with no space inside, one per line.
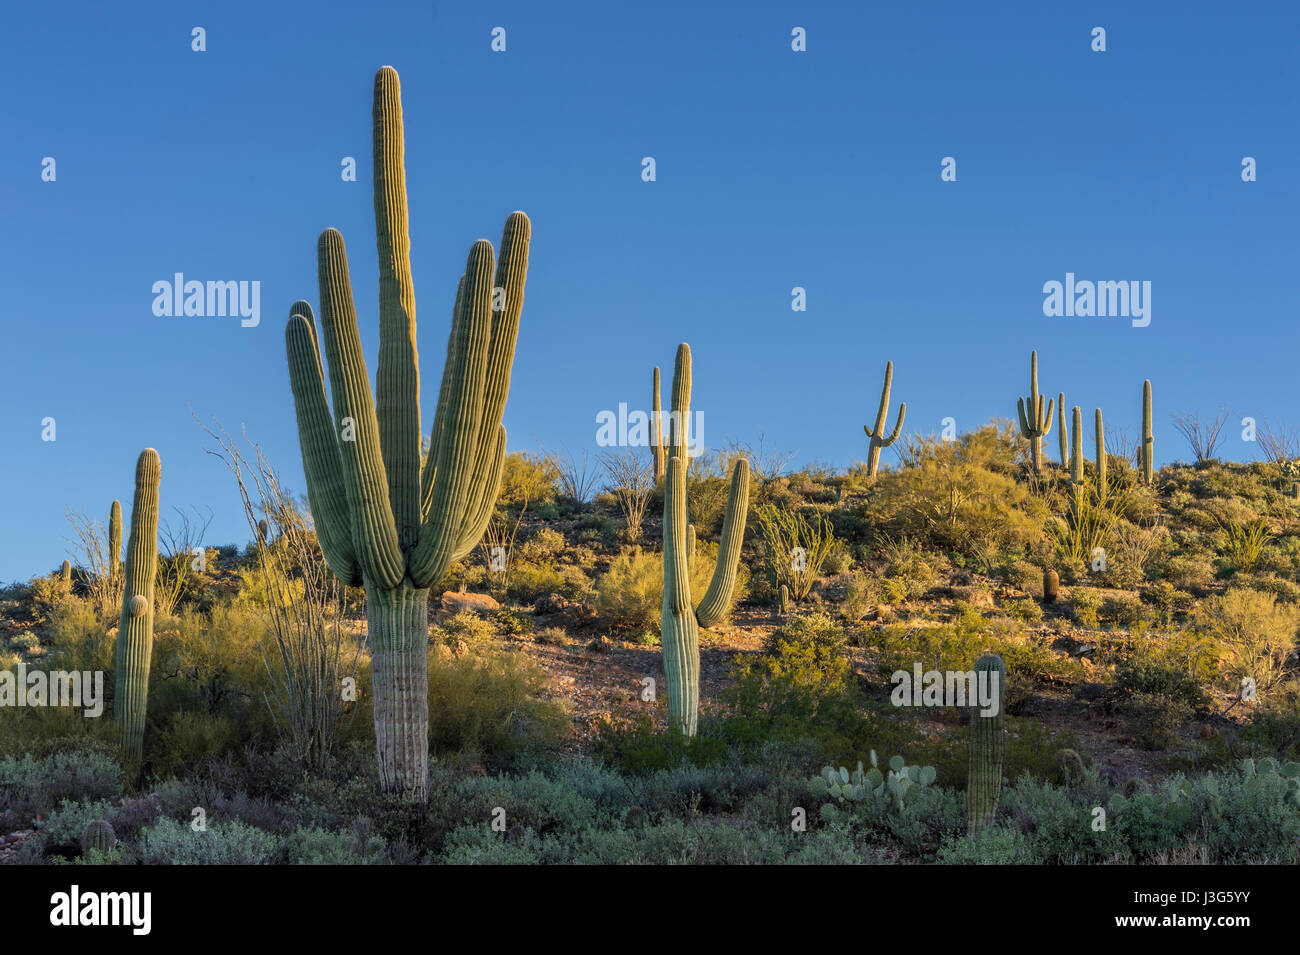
(631,429)
(54,688)
(208,299)
(951,688)
(1085,299)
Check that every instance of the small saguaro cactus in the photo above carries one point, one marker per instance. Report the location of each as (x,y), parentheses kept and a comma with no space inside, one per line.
(114,540)
(987,746)
(135,628)
(386,519)
(65,574)
(1062,434)
(1100,438)
(877,433)
(783,600)
(98,834)
(263,533)
(1051,586)
(657,430)
(681,619)
(1147,451)
(1035,418)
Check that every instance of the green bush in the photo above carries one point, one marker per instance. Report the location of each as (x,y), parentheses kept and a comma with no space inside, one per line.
(168,842)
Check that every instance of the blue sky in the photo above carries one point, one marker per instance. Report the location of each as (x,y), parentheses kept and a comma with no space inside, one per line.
(775,169)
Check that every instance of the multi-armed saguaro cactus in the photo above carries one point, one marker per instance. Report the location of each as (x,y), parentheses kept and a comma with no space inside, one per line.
(987,745)
(1035,418)
(877,433)
(1100,439)
(1062,435)
(682,619)
(1147,451)
(657,430)
(135,628)
(384,520)
(114,559)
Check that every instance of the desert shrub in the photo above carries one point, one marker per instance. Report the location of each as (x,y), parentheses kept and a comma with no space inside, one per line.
(839,560)
(168,842)
(785,533)
(1084,604)
(544,544)
(358,845)
(1152,673)
(1024,609)
(909,568)
(466,632)
(630,592)
(527,479)
(859,597)
(1124,610)
(510,623)
(1157,719)
(1166,599)
(991,846)
(492,708)
(33,785)
(1257,633)
(1191,572)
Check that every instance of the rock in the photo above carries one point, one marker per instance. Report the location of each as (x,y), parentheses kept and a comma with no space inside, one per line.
(453,602)
(551,603)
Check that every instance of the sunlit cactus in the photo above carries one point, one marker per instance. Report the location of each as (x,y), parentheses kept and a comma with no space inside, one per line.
(114,540)
(681,619)
(385,518)
(1148,450)
(657,430)
(877,432)
(1100,439)
(135,627)
(1035,418)
(1062,433)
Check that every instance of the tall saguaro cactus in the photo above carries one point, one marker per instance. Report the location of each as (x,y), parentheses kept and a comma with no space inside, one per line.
(1076,462)
(877,433)
(987,746)
(681,620)
(1035,419)
(1148,449)
(1062,436)
(114,540)
(1100,439)
(657,430)
(135,628)
(384,519)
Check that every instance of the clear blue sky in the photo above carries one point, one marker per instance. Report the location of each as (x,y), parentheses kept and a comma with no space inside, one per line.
(775,169)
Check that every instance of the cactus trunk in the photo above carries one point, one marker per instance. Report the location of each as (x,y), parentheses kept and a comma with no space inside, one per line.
(987,745)
(877,433)
(65,574)
(1100,439)
(1051,586)
(1062,437)
(657,430)
(399,646)
(1076,462)
(388,517)
(680,622)
(1035,419)
(1148,442)
(114,540)
(135,628)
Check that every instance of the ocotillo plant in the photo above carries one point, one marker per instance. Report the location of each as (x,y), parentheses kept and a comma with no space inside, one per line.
(1035,419)
(114,540)
(1100,439)
(384,520)
(877,433)
(987,745)
(1062,436)
(681,619)
(1147,451)
(135,627)
(657,430)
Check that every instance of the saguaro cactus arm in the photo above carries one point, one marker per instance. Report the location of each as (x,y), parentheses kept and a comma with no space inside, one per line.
(876,433)
(397,384)
(320,454)
(717,598)
(374,535)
